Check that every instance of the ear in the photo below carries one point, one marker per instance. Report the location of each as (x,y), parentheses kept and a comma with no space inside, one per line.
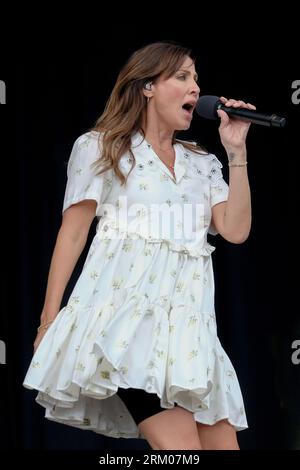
(147,89)
(148,86)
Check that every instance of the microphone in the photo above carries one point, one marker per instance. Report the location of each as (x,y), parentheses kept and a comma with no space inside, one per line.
(208,105)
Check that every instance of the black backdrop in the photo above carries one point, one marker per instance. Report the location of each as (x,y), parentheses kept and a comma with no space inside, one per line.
(54,94)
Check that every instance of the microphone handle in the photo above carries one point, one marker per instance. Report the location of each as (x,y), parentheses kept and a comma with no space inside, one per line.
(270,120)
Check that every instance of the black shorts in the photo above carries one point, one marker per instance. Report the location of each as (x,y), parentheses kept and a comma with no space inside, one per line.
(140,403)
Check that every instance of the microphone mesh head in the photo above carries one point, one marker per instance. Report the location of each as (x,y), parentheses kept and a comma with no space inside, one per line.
(207,106)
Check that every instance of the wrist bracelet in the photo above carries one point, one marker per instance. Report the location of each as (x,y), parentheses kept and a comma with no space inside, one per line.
(237,164)
(44,326)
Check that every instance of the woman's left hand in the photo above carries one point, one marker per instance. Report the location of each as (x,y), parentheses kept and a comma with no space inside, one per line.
(233,132)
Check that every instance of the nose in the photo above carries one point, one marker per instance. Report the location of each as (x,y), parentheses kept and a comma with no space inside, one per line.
(195,89)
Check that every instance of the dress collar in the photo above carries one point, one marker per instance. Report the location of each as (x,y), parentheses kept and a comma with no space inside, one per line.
(138,141)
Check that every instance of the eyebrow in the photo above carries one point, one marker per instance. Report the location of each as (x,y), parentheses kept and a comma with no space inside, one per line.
(187,71)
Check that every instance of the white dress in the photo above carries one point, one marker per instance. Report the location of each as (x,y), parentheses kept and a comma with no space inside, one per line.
(141,314)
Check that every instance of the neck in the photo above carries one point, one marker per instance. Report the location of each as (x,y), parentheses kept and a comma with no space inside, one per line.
(159,138)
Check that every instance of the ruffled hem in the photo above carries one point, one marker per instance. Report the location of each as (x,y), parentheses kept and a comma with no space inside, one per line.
(109,229)
(133,342)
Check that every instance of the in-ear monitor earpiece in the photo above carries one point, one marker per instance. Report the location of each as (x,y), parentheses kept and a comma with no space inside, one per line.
(148,86)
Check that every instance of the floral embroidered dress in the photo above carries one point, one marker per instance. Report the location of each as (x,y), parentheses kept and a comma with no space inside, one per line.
(141,314)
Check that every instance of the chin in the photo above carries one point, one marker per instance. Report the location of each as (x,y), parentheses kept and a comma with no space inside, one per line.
(184,127)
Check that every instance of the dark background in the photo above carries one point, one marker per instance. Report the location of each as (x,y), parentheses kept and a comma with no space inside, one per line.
(55,92)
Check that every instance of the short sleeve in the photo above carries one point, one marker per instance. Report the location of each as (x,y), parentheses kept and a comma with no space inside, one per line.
(82,182)
(218,186)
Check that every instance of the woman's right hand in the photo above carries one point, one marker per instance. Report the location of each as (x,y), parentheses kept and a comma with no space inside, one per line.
(46,321)
(38,339)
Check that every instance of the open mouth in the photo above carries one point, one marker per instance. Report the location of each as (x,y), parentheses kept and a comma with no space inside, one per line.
(188,108)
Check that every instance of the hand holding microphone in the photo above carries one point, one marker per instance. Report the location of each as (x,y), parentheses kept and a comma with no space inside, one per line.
(236,118)
(208,105)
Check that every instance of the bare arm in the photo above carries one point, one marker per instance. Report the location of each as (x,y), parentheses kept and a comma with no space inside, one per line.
(69,245)
(232,218)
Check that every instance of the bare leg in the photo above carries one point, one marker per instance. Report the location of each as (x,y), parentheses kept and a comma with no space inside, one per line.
(219,436)
(173,429)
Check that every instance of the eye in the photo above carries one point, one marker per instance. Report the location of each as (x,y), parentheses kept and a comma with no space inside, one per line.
(181,77)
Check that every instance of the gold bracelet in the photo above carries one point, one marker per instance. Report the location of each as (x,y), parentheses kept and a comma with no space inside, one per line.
(238,164)
(44,326)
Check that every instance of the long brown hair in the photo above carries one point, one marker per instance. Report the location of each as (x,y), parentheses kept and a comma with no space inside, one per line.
(125,110)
